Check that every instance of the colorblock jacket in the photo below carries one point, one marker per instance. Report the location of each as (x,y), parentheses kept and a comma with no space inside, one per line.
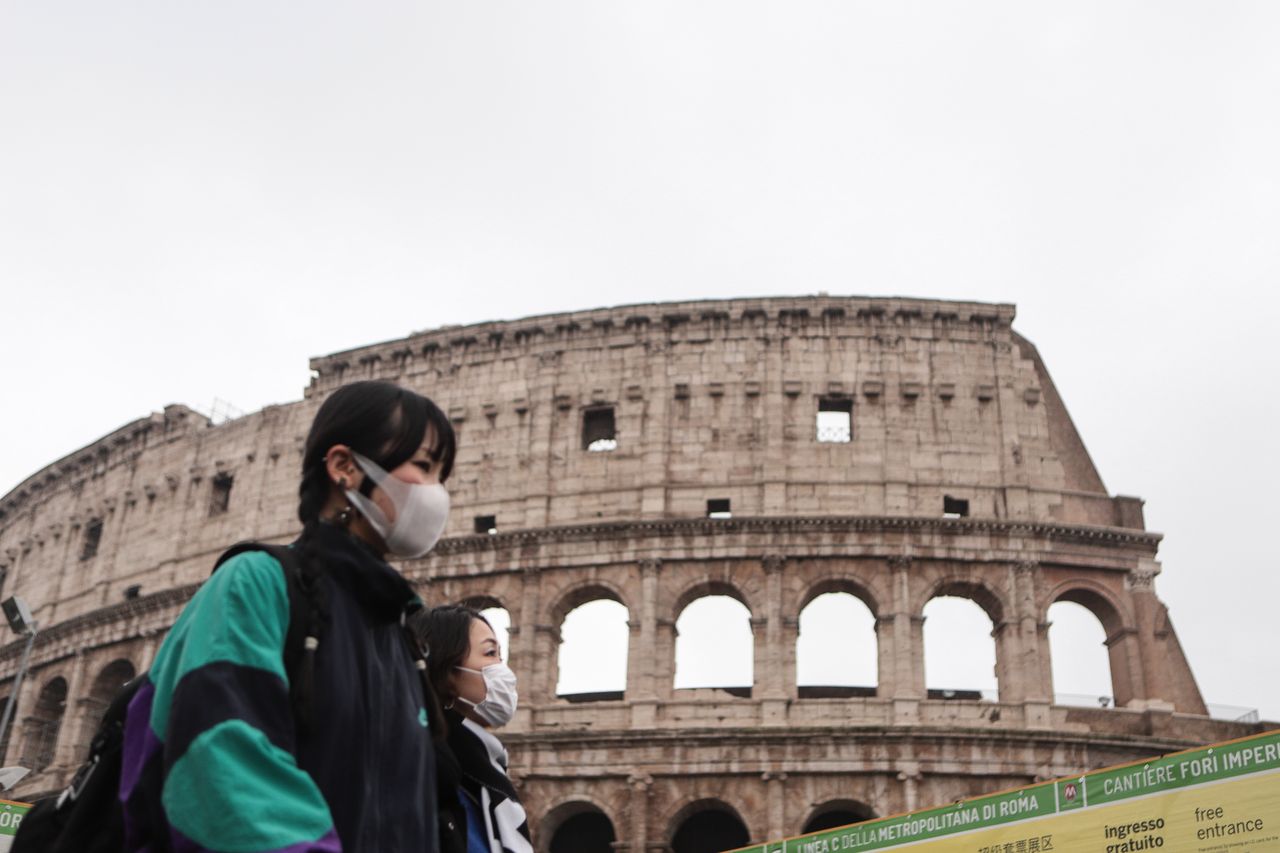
(213,758)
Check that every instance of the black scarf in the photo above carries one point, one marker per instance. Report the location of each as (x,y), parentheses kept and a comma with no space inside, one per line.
(350,563)
(483,773)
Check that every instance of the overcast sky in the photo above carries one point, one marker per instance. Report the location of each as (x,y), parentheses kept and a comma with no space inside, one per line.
(196,197)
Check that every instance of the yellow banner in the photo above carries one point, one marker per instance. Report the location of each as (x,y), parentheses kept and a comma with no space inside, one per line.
(1224,797)
(1240,815)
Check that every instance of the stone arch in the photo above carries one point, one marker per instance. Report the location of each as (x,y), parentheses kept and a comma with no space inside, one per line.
(976,589)
(1095,598)
(483,601)
(105,686)
(567,811)
(605,650)
(704,587)
(44,725)
(699,826)
(834,813)
(1120,637)
(853,586)
(111,678)
(584,592)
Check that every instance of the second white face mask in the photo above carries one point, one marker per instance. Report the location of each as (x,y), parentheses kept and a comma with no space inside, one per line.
(499,703)
(422,510)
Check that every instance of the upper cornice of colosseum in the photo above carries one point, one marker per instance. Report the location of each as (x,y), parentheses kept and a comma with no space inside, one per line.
(707,529)
(174,420)
(785,314)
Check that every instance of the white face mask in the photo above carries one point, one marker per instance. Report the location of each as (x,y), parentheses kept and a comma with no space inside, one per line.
(500,698)
(421,511)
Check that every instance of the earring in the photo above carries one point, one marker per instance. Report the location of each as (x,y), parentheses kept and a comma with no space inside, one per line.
(344,515)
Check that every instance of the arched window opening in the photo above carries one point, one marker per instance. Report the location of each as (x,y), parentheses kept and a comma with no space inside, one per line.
(44,724)
(114,675)
(714,645)
(498,617)
(1078,653)
(593,652)
(836,650)
(588,831)
(710,830)
(7,733)
(837,813)
(959,651)
(500,620)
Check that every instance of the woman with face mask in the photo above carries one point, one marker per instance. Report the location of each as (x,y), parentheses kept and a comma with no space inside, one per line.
(239,739)
(478,690)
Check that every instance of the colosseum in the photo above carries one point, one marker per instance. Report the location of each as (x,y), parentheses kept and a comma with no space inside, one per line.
(770,451)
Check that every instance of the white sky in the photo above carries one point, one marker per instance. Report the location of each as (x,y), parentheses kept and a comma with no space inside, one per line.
(195,197)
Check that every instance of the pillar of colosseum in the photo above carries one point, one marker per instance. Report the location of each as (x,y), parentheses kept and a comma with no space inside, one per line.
(653,456)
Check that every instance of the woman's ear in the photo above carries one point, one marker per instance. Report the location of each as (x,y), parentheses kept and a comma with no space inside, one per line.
(342,469)
(452,681)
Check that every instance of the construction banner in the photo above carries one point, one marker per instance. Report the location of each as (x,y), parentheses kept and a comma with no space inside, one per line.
(11,815)
(1219,798)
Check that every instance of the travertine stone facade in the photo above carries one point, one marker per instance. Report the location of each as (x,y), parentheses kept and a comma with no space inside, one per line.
(711,400)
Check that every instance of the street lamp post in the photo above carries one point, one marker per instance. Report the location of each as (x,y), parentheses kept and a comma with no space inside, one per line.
(19,616)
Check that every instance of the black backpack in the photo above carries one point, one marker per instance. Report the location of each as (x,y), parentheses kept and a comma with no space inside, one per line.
(87,817)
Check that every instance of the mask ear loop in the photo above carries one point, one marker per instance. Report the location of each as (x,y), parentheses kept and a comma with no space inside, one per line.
(460,697)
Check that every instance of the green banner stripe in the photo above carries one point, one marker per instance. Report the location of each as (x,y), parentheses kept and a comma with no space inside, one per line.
(1210,764)
(989,811)
(11,815)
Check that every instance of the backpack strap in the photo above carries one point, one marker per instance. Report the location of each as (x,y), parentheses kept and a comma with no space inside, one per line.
(106,744)
(300,603)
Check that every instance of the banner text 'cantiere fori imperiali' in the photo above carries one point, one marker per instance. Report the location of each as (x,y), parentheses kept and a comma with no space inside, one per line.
(1219,798)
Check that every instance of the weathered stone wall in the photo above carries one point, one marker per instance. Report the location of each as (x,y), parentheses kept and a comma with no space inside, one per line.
(712,400)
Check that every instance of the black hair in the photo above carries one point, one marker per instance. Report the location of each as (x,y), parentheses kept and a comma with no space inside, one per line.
(379,420)
(445,634)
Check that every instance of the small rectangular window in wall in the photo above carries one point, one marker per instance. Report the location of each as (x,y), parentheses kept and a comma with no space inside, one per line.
(835,420)
(719,508)
(486,524)
(92,536)
(599,434)
(954,507)
(220,497)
